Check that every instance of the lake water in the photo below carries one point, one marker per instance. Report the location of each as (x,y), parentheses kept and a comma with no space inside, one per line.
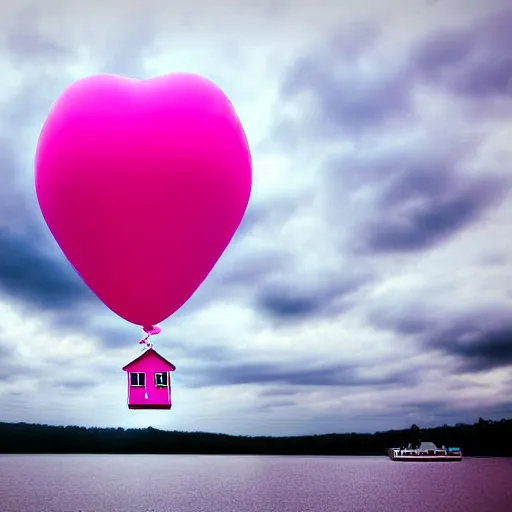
(189,483)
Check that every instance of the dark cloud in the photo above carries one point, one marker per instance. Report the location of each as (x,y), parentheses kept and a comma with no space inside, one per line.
(479,338)
(262,214)
(282,303)
(477,345)
(295,300)
(324,375)
(32,272)
(415,198)
(344,96)
(33,276)
(409,320)
(422,207)
(420,196)
(472,61)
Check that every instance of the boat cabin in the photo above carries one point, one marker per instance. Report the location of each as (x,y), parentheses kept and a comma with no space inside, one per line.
(149,381)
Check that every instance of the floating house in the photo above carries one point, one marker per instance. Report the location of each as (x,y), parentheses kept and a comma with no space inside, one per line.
(149,381)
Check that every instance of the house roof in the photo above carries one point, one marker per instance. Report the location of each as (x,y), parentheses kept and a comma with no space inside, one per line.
(145,354)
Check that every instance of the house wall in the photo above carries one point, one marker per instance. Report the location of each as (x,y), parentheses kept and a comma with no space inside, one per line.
(156,396)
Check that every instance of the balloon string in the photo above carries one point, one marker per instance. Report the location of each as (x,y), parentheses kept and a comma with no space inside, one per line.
(150,331)
(145,342)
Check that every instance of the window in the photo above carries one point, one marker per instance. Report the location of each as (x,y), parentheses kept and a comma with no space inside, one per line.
(138,379)
(161,380)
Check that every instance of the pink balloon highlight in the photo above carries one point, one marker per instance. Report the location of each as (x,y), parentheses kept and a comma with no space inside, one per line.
(143,184)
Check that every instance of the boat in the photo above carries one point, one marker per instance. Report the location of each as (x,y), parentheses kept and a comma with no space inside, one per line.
(425,452)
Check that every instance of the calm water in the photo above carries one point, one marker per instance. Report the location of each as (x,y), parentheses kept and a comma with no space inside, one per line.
(188,483)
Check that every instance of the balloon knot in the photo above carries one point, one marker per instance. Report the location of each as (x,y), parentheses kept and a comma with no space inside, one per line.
(151,330)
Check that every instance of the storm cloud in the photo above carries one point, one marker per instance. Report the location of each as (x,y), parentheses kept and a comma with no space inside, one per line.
(472,61)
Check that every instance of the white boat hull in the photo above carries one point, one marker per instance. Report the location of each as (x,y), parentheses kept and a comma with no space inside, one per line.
(427,452)
(427,458)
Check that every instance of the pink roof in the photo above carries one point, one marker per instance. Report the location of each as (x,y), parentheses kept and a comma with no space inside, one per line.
(150,352)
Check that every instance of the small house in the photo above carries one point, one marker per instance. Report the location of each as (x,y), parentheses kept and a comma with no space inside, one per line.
(149,381)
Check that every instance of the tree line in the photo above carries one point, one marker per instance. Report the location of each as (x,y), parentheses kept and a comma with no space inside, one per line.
(484,438)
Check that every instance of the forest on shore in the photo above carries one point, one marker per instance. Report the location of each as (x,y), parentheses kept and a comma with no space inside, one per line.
(484,438)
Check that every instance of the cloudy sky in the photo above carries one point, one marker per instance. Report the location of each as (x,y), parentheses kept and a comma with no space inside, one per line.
(369,286)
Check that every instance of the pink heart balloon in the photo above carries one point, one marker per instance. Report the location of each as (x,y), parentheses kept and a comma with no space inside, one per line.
(143,184)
